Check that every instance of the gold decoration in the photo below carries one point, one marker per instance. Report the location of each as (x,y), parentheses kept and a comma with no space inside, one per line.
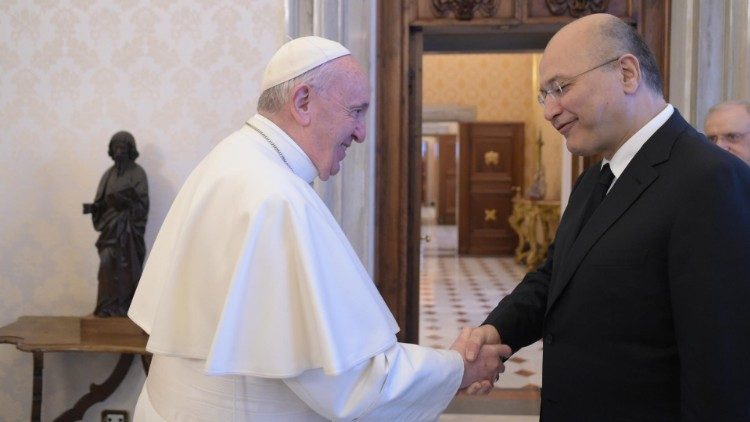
(492,158)
(535,223)
(490,215)
(577,8)
(464,9)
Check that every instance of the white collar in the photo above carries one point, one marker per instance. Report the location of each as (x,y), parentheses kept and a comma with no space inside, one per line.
(627,151)
(300,163)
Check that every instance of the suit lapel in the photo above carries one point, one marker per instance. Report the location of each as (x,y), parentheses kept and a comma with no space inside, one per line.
(637,177)
(571,218)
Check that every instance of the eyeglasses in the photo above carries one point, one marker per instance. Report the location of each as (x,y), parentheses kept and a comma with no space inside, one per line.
(556,87)
(730,137)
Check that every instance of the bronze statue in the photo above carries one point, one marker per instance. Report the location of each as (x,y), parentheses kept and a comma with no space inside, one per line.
(119,213)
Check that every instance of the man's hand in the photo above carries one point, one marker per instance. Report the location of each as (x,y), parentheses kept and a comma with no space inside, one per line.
(486,365)
(478,337)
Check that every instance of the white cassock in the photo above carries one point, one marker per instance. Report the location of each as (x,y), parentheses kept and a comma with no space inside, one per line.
(258,309)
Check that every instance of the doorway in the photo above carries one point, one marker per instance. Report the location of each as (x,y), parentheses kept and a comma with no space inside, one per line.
(487,101)
(407,29)
(479,111)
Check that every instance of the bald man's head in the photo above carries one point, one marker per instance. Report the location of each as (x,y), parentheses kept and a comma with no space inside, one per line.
(601,36)
(598,83)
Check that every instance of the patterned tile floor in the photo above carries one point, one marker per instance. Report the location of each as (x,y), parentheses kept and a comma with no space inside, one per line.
(458,291)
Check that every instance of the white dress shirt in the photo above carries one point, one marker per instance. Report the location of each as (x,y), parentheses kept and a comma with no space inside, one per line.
(627,151)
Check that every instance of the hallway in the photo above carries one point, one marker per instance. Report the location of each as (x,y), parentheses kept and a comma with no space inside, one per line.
(460,291)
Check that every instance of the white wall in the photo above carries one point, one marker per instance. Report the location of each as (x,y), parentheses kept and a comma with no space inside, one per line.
(180,76)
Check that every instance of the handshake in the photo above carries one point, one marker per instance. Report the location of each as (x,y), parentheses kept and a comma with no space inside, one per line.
(483,358)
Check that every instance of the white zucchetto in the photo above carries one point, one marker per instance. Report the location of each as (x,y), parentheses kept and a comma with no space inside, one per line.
(298,56)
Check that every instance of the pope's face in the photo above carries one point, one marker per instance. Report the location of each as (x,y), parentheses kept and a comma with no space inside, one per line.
(339,117)
(729,128)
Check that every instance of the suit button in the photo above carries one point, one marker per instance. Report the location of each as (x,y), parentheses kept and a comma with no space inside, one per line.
(549,339)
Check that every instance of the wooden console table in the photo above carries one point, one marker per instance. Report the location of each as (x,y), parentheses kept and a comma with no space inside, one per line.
(535,223)
(45,334)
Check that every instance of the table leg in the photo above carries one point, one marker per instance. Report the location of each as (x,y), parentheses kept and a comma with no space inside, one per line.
(36,392)
(99,392)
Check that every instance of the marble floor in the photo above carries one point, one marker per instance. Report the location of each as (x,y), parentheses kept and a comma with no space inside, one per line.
(458,291)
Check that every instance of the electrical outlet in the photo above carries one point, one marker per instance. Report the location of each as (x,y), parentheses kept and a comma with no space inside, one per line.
(114,416)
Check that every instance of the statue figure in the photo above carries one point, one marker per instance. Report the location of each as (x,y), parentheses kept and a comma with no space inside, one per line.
(119,213)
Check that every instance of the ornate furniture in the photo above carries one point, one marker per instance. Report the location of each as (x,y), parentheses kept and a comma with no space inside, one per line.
(45,334)
(535,222)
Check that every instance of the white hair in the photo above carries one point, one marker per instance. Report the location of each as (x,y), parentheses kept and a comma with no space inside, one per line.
(742,103)
(273,98)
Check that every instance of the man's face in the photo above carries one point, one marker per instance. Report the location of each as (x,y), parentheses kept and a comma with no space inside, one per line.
(729,128)
(585,112)
(339,117)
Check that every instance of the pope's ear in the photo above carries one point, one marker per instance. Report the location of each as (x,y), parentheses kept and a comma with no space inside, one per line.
(300,104)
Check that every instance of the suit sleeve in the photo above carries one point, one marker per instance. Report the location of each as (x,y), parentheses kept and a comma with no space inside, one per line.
(405,383)
(709,278)
(519,317)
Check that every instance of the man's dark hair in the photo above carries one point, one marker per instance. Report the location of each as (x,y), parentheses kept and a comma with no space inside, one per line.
(625,39)
(126,138)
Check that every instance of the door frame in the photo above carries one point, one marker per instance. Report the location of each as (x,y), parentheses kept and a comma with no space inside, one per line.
(400,38)
(444,156)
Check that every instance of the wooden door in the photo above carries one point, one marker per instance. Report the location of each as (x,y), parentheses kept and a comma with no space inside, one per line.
(491,163)
(446,197)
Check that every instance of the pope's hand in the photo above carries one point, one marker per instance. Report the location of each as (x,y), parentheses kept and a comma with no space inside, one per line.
(487,362)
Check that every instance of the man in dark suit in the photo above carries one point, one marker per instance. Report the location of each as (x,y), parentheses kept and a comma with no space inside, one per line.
(644,301)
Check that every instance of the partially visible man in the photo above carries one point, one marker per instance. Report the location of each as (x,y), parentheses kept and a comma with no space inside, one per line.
(643,300)
(728,126)
(257,307)
(119,213)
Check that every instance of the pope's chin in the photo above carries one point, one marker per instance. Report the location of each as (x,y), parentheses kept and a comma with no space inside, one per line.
(332,171)
(335,170)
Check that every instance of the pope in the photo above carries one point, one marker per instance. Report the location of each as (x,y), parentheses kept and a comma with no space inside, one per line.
(256,305)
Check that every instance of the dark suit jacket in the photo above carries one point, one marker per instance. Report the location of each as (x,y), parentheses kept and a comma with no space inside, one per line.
(645,314)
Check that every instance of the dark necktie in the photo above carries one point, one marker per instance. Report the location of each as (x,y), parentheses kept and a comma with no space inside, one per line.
(598,194)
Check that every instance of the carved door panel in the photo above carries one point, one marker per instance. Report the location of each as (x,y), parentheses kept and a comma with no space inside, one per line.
(491,163)
(446,201)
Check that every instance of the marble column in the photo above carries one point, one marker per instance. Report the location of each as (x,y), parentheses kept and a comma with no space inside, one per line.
(350,195)
(709,55)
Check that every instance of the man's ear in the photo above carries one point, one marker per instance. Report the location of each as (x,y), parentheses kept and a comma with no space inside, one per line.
(630,69)
(300,104)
